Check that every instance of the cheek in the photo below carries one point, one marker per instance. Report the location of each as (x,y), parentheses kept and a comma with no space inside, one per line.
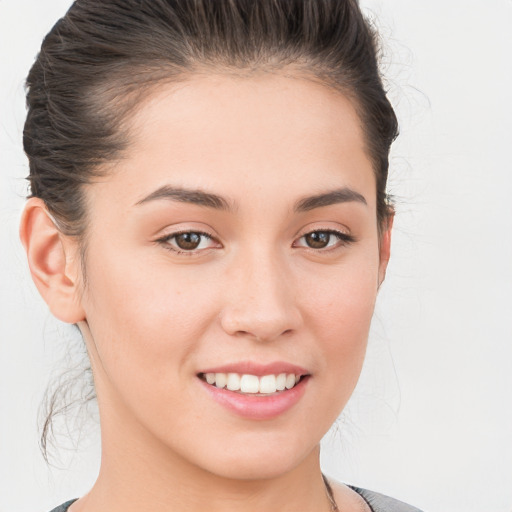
(339,304)
(142,314)
(342,297)
(146,326)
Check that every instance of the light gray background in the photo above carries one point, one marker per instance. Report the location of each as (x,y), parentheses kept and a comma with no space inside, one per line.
(431,421)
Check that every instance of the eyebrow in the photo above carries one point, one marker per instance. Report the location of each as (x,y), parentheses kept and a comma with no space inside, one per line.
(183,195)
(341,195)
(210,200)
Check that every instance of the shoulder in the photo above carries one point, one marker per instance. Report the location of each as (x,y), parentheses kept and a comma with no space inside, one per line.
(63,507)
(377,502)
(380,503)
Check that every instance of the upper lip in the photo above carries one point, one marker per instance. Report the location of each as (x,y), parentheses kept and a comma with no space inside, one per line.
(257,369)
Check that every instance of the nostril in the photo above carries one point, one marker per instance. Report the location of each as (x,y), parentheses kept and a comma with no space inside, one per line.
(267,336)
(264,323)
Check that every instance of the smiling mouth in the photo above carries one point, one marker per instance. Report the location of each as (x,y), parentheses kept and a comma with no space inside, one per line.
(253,385)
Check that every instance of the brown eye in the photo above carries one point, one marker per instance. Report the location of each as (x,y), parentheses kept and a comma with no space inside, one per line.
(324,239)
(188,241)
(318,239)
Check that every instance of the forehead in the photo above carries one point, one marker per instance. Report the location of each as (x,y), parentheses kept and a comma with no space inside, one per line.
(234,134)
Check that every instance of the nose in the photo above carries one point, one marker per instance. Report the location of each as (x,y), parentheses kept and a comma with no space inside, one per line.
(260,300)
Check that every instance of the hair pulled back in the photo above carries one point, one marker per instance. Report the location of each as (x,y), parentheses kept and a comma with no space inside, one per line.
(99,61)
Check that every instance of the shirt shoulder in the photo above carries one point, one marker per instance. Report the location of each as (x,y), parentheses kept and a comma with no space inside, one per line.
(64,507)
(380,503)
(377,502)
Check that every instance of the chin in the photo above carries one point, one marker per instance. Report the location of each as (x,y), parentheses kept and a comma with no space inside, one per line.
(260,461)
(255,470)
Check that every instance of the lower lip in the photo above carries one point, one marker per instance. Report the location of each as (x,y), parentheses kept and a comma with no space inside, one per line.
(257,407)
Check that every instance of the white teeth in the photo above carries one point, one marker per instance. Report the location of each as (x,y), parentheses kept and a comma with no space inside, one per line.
(267,384)
(233,383)
(220,380)
(281,382)
(249,384)
(290,381)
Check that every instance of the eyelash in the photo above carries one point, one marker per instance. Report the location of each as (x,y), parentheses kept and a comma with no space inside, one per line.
(167,238)
(344,239)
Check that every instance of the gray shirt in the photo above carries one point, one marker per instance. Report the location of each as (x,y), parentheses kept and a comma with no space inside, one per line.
(377,502)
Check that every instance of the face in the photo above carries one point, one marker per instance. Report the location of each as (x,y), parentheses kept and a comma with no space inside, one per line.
(236,241)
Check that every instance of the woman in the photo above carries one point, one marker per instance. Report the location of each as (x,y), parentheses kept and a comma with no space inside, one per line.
(208,205)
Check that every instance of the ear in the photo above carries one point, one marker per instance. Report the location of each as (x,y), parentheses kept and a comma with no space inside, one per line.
(385,246)
(52,261)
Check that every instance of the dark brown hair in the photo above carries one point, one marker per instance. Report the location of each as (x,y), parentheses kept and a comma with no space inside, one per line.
(101,59)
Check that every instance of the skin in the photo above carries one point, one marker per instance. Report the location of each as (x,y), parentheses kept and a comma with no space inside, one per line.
(153,318)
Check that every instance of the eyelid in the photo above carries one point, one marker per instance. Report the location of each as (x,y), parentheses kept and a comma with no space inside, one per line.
(343,237)
(164,241)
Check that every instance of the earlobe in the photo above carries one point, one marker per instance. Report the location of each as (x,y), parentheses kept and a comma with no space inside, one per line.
(385,247)
(51,262)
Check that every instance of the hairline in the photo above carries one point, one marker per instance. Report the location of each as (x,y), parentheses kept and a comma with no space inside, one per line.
(132,97)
